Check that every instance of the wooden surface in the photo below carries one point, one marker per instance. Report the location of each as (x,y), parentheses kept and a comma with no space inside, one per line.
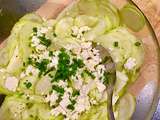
(52,8)
(151,9)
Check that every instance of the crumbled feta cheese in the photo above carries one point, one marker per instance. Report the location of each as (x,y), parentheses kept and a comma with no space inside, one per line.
(52,98)
(75,30)
(43,30)
(85,54)
(84,29)
(22,75)
(65,101)
(82,104)
(91,58)
(40,48)
(62,84)
(86,88)
(110,49)
(101,87)
(35,41)
(130,64)
(11,83)
(86,45)
(79,32)
(31,70)
(78,84)
(45,55)
(58,110)
(74,116)
(54,62)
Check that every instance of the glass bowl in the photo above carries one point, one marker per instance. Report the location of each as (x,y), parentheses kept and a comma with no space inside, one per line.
(147,86)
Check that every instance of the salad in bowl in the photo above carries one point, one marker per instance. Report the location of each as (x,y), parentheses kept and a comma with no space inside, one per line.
(61,69)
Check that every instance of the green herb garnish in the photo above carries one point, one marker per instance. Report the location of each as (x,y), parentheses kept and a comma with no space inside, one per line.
(65,68)
(75,93)
(54,34)
(35,29)
(89,74)
(71,107)
(108,78)
(30,61)
(42,66)
(45,41)
(28,84)
(137,44)
(62,72)
(116,44)
(29,105)
(58,89)
(50,53)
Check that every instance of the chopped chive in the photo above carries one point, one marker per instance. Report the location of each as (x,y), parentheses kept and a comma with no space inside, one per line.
(137,44)
(24,64)
(29,105)
(116,44)
(42,66)
(30,61)
(44,41)
(108,78)
(50,53)
(71,107)
(54,34)
(48,71)
(28,84)
(89,74)
(75,93)
(73,35)
(58,89)
(35,29)
(51,76)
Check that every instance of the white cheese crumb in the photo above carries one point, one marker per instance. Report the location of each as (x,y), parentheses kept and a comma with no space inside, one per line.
(52,98)
(84,29)
(35,41)
(31,70)
(11,83)
(79,32)
(58,110)
(75,30)
(65,101)
(86,45)
(22,75)
(45,55)
(54,62)
(82,104)
(78,84)
(40,48)
(101,87)
(62,84)
(43,30)
(130,64)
